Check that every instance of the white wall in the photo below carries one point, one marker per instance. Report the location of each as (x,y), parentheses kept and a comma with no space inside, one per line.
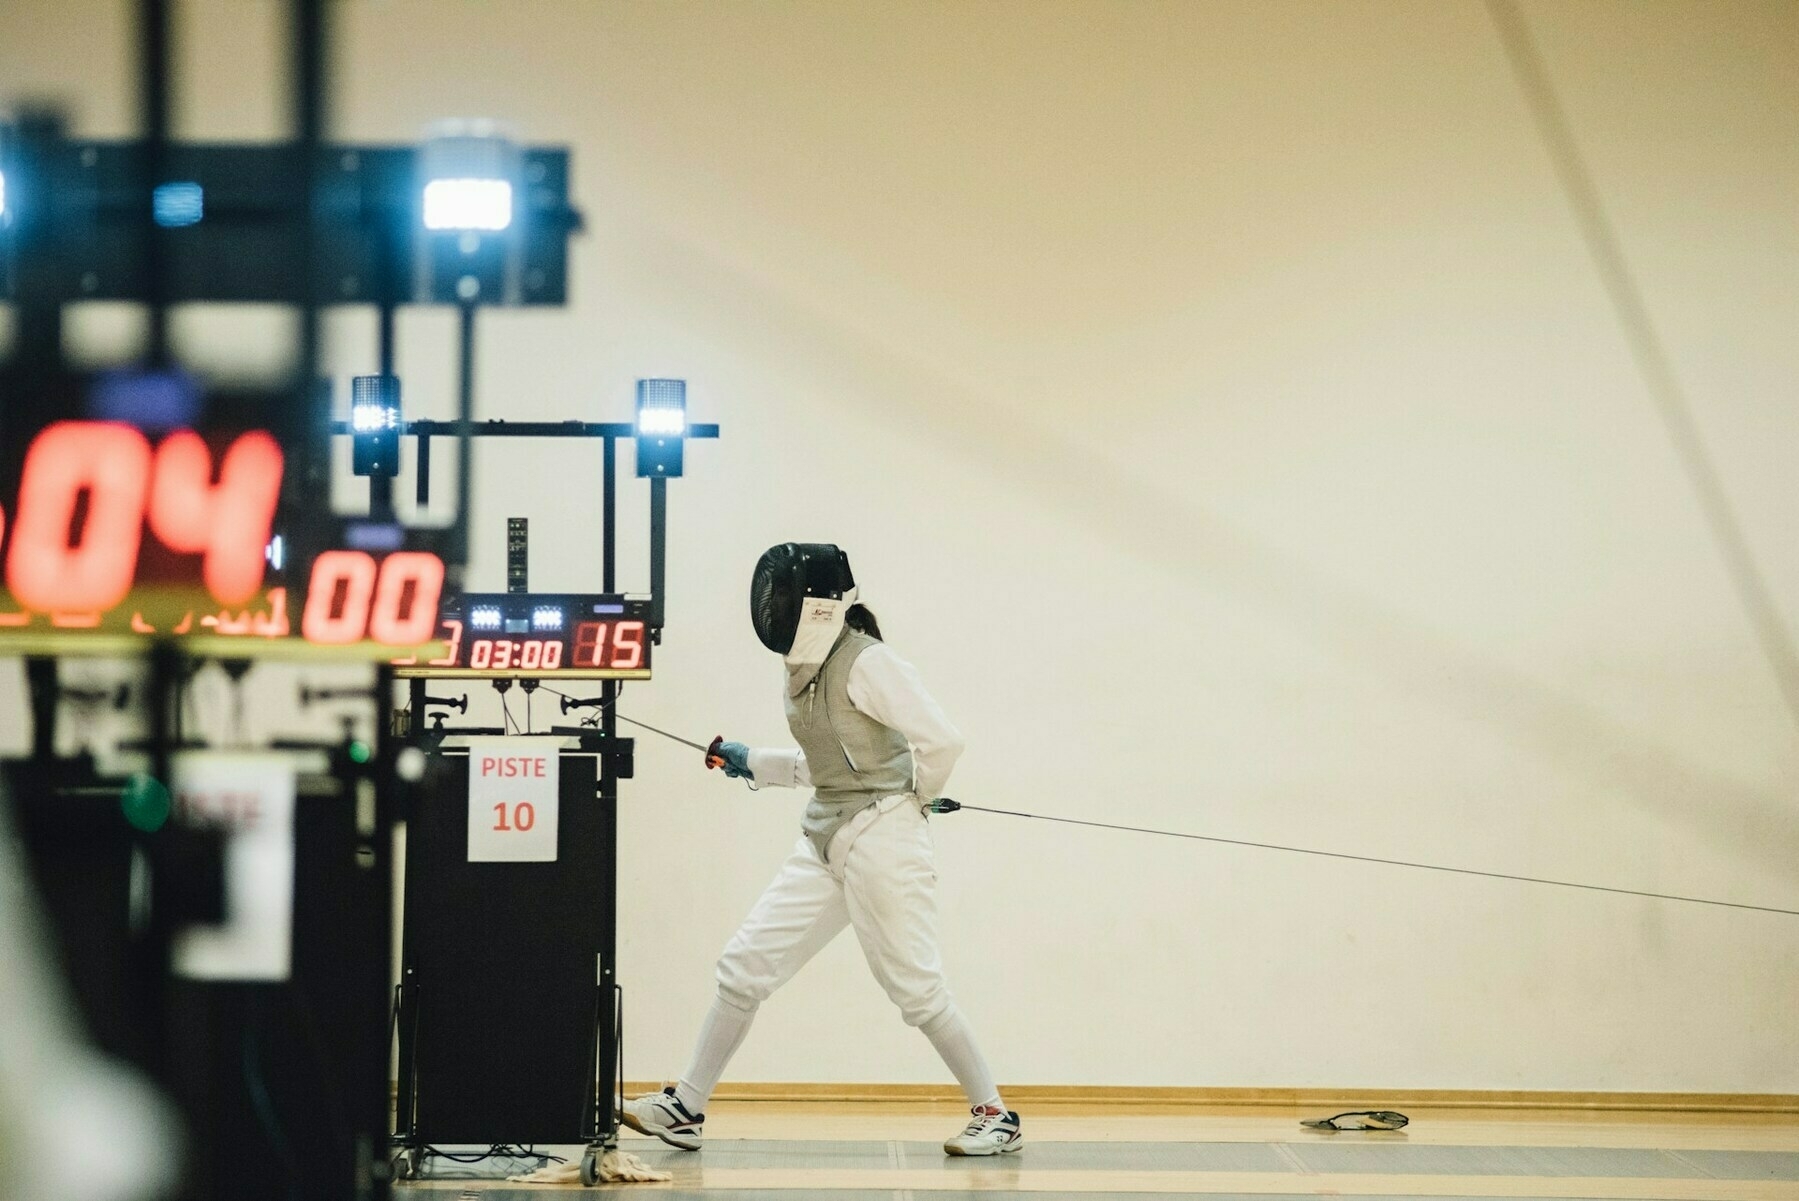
(1220,408)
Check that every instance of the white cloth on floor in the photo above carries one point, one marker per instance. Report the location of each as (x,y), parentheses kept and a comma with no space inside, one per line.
(616,1167)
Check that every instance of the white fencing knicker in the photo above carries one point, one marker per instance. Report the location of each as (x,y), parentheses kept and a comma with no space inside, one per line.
(881,879)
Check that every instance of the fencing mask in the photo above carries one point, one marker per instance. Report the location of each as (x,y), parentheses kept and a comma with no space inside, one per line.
(798,597)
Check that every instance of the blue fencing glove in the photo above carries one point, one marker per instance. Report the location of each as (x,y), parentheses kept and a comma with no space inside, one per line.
(733,757)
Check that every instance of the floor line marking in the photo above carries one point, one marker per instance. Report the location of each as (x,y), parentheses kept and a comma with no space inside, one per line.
(1700,1168)
(1292,1157)
(1014,1177)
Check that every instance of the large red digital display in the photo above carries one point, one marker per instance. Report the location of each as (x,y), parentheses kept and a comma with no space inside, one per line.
(110,533)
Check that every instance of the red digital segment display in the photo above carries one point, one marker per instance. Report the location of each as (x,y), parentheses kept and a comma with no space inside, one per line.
(106,474)
(526,653)
(105,527)
(393,602)
(622,648)
(595,646)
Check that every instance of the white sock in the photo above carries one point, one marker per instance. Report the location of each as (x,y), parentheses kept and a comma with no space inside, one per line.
(954,1039)
(720,1035)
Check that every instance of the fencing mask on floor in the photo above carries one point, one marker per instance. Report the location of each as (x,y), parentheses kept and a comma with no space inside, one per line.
(798,597)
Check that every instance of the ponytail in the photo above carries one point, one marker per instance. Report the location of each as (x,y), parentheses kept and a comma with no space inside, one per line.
(862,619)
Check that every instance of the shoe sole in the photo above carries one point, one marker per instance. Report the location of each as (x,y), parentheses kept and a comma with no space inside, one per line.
(662,1132)
(1010,1148)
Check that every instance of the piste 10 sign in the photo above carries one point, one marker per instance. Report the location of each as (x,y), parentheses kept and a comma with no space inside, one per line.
(107,533)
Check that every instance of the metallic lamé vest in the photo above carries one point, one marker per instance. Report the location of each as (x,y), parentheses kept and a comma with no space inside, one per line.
(853,759)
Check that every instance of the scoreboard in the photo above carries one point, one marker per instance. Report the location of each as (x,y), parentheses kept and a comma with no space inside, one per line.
(522,635)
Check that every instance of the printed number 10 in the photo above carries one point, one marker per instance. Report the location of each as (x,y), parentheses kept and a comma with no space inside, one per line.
(524,816)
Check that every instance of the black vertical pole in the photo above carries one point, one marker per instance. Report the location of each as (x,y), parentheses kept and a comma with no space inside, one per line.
(162,701)
(32,385)
(658,552)
(422,469)
(371,1108)
(381,497)
(154,72)
(309,132)
(302,425)
(606,1075)
(609,516)
(381,487)
(163,691)
(40,678)
(465,433)
(385,323)
(405,1125)
(607,1078)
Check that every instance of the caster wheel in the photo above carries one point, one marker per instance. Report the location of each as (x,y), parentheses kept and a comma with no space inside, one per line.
(590,1167)
(415,1159)
(396,1168)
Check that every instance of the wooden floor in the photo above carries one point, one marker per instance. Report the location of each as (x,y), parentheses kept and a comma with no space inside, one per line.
(772,1151)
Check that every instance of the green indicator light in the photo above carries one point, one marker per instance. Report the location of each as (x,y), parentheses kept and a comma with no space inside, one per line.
(145,802)
(359,752)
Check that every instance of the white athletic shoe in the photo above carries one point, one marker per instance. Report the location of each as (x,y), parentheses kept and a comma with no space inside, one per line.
(988,1134)
(661,1115)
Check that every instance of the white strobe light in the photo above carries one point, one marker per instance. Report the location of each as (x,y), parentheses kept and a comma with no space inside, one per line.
(469,170)
(468,204)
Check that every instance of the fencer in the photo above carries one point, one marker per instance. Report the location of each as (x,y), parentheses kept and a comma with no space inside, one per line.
(875,748)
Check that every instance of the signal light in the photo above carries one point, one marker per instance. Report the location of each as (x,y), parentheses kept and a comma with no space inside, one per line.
(375,425)
(661,426)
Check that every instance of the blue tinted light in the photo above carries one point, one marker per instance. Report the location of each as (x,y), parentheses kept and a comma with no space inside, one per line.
(374,535)
(175,205)
(150,400)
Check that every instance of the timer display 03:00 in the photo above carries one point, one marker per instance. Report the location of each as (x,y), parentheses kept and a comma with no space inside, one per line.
(596,646)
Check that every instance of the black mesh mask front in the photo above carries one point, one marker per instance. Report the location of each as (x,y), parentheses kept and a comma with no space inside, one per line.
(785,576)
